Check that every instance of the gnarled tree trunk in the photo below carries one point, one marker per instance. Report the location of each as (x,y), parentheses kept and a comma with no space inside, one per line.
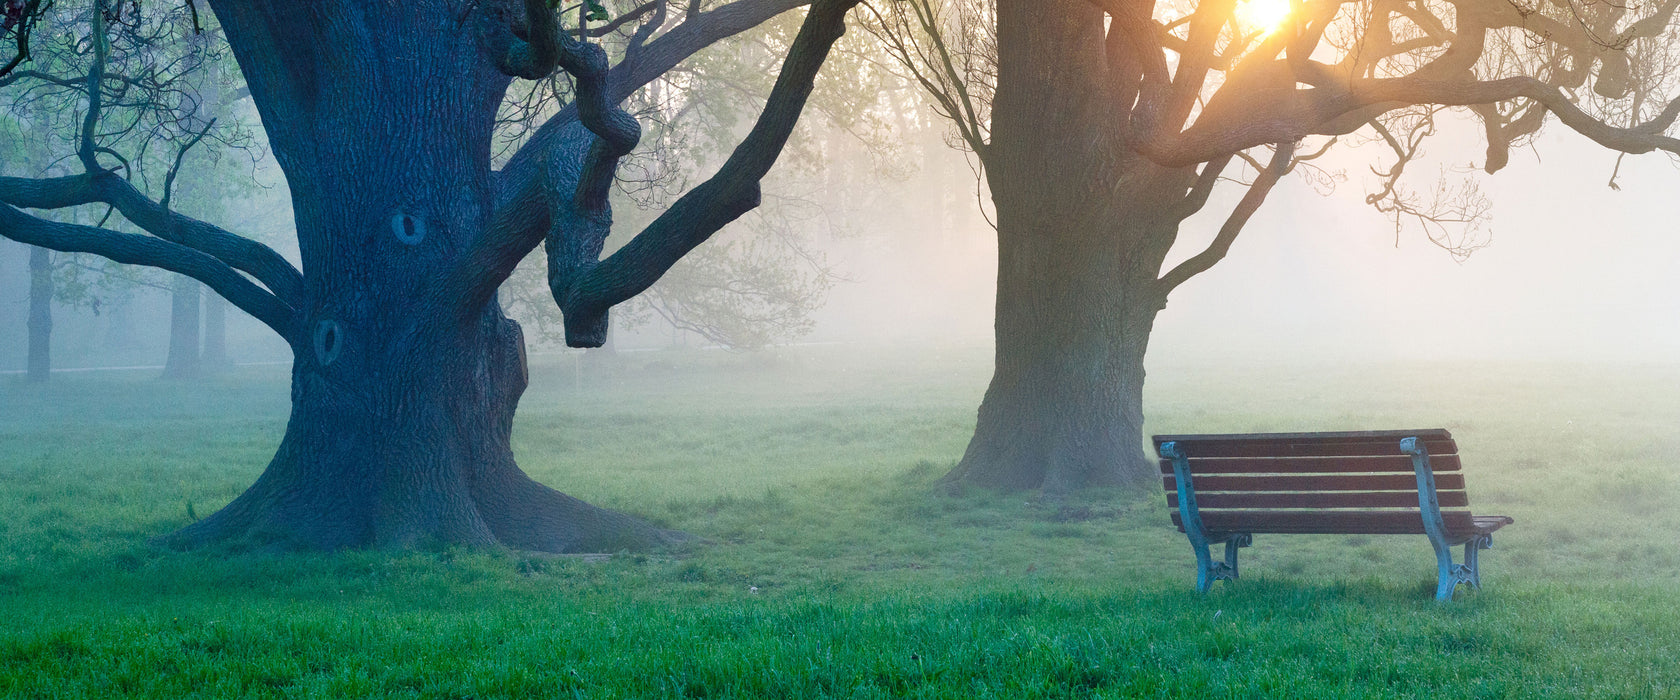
(406,375)
(403,390)
(402,445)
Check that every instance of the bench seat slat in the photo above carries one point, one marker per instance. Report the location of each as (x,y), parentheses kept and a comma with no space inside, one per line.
(1322,499)
(1394,522)
(1316,482)
(1460,524)
(1271,447)
(1344,435)
(1310,465)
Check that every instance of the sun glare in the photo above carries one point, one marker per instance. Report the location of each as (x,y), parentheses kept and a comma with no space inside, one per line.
(1265,16)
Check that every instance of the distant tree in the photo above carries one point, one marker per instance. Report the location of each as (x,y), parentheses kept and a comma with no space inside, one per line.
(406,374)
(39,361)
(1102,125)
(155,112)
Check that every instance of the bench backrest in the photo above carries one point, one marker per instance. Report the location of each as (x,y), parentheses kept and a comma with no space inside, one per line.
(1347,482)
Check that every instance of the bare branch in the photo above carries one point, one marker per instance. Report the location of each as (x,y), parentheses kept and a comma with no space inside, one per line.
(262,262)
(95,92)
(732,191)
(136,249)
(1205,180)
(181,154)
(528,186)
(929,62)
(1287,114)
(20,20)
(1251,201)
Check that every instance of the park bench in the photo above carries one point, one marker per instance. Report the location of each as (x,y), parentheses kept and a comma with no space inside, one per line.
(1227,488)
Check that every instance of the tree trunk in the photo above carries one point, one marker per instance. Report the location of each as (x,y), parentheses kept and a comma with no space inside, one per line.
(1064,409)
(411,451)
(1083,226)
(183,361)
(403,389)
(215,357)
(40,315)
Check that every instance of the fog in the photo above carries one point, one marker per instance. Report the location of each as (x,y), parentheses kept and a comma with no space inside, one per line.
(1575,271)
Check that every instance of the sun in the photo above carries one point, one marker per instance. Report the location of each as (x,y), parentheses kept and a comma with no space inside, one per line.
(1266,16)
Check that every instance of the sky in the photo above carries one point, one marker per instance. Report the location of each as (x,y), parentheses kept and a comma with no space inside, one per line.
(1575,272)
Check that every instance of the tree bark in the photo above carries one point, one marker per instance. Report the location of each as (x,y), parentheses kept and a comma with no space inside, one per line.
(1076,303)
(1083,226)
(411,451)
(40,315)
(183,361)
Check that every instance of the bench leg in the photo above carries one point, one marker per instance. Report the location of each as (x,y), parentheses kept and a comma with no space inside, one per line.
(1450,575)
(1208,570)
(1231,546)
(1476,544)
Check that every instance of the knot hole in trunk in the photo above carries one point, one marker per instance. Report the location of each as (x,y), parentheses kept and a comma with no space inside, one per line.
(408,229)
(329,339)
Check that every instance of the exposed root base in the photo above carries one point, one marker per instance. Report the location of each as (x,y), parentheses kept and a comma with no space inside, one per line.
(534,518)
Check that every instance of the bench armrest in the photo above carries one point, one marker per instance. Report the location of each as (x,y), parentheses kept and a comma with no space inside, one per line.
(1428,502)
(1187,511)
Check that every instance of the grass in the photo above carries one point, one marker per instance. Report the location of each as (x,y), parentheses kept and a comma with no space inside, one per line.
(834,569)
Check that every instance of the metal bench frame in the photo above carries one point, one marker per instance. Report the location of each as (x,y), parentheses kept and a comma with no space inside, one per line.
(1450,573)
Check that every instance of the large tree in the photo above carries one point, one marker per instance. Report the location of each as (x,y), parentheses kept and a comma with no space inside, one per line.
(1102,125)
(406,374)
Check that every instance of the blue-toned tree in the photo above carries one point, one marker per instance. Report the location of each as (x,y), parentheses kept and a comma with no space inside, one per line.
(406,374)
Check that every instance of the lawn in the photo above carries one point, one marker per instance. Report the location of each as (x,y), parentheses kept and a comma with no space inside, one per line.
(832,567)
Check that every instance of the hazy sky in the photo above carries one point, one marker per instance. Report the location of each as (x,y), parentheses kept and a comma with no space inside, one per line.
(1576,271)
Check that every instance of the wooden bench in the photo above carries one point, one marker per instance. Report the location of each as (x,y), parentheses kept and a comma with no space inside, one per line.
(1226,488)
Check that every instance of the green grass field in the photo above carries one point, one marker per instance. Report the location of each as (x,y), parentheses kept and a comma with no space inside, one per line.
(834,569)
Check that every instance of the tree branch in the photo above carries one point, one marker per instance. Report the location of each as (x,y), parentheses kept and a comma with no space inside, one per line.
(533,57)
(23,24)
(135,249)
(527,186)
(621,20)
(615,130)
(1251,201)
(262,262)
(1131,25)
(1197,58)
(731,192)
(86,149)
(1276,114)
(943,82)
(1198,196)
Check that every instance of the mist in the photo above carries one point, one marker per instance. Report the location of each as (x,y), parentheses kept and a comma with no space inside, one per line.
(1574,271)
(817,457)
